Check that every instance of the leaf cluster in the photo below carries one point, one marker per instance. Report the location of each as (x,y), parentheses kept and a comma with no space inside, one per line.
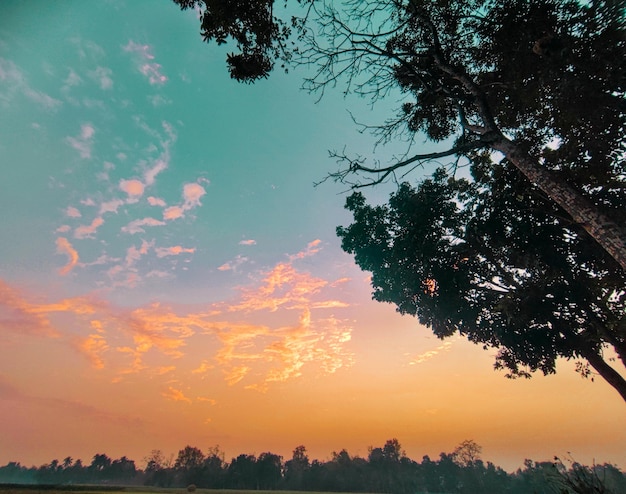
(492,259)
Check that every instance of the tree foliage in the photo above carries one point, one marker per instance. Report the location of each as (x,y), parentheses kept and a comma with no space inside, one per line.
(526,252)
(261,37)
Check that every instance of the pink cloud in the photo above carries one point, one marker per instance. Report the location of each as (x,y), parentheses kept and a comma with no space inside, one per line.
(172,213)
(192,193)
(134,189)
(311,249)
(155,201)
(64,247)
(173,251)
(72,212)
(110,206)
(150,174)
(247,242)
(146,64)
(136,225)
(234,264)
(84,231)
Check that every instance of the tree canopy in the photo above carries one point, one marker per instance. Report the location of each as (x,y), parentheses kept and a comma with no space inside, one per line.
(519,241)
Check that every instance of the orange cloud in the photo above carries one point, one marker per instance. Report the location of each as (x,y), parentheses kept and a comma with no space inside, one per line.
(64,247)
(93,347)
(423,357)
(174,394)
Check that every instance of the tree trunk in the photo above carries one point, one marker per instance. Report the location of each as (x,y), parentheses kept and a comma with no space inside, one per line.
(610,236)
(607,372)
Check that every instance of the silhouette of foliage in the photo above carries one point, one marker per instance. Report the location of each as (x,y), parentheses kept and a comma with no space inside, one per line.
(386,470)
(260,36)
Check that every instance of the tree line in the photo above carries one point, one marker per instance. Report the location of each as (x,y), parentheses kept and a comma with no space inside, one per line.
(386,469)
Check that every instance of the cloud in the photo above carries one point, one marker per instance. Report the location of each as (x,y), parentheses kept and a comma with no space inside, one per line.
(15,82)
(145,63)
(243,340)
(173,251)
(172,213)
(85,231)
(110,206)
(64,247)
(84,142)
(136,226)
(174,394)
(133,254)
(247,242)
(234,264)
(192,193)
(72,212)
(133,188)
(93,347)
(155,201)
(423,357)
(102,75)
(312,248)
(151,173)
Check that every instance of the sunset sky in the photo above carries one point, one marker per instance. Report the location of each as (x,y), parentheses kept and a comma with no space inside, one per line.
(169,275)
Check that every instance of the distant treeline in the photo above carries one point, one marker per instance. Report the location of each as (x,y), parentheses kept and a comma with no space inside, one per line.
(386,469)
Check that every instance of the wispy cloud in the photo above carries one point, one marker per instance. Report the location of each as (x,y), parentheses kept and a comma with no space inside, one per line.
(145,62)
(174,394)
(102,75)
(83,143)
(86,231)
(136,226)
(14,82)
(173,251)
(72,212)
(64,247)
(247,242)
(234,264)
(425,356)
(244,342)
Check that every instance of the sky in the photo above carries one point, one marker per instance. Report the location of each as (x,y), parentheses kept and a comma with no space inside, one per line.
(170,276)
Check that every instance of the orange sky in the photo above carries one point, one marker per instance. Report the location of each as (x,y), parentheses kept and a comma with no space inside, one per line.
(292,359)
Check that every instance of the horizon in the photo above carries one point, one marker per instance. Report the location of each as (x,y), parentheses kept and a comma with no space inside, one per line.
(169,275)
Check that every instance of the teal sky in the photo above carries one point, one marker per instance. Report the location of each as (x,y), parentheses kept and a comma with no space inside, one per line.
(169,275)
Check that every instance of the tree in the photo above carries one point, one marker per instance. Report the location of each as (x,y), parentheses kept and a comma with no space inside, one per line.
(491,260)
(467,453)
(260,36)
(540,82)
(525,79)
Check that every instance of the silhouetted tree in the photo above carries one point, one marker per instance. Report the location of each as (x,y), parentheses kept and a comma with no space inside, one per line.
(260,36)
(541,83)
(242,472)
(269,471)
(490,259)
(296,469)
(188,465)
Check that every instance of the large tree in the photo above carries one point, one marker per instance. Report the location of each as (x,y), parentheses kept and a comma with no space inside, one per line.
(527,253)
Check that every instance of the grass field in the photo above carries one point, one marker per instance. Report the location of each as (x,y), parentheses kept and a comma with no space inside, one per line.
(76,489)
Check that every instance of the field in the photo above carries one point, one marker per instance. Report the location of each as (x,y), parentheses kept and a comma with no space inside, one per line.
(87,489)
